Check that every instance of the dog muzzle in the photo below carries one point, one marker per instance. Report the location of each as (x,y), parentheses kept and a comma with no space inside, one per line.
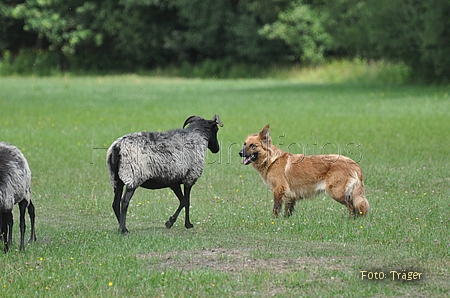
(248,158)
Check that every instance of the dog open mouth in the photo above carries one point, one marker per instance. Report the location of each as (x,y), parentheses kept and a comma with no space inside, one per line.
(249,159)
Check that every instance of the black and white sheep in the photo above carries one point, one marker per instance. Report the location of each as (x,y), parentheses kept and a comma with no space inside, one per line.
(155,160)
(15,187)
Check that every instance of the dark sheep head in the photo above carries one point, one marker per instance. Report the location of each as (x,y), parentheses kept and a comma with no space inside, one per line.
(211,126)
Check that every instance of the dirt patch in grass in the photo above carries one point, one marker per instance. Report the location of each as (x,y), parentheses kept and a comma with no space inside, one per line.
(237,260)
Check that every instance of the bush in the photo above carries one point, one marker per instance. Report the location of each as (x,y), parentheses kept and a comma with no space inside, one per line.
(351,71)
(30,62)
(220,69)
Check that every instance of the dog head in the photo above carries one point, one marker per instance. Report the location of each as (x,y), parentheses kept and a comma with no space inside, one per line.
(256,146)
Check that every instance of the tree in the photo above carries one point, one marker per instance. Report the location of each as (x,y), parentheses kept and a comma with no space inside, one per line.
(100,34)
(143,34)
(12,36)
(412,31)
(225,30)
(302,29)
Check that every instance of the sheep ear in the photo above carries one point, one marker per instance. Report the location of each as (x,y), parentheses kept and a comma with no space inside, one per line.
(191,119)
(264,135)
(217,121)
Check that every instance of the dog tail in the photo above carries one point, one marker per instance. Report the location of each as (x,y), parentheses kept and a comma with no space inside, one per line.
(354,194)
(361,205)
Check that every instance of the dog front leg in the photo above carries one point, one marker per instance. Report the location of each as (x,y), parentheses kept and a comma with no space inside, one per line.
(278,195)
(289,207)
(276,208)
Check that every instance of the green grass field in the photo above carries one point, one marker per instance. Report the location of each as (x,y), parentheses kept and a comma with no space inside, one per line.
(399,135)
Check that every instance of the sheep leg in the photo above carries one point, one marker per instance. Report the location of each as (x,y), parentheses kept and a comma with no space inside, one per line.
(10,223)
(123,212)
(6,224)
(2,230)
(180,196)
(117,196)
(23,208)
(31,214)
(184,203)
(187,203)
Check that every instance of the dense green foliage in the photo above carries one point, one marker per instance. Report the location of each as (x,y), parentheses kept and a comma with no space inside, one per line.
(415,32)
(136,35)
(236,249)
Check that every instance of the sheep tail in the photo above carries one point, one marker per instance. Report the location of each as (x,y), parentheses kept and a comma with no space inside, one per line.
(113,161)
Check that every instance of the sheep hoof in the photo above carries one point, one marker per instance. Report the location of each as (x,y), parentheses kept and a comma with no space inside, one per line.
(189,225)
(169,224)
(123,231)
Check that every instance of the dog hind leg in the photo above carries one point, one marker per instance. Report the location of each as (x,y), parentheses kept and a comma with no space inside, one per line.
(360,203)
(354,196)
(338,190)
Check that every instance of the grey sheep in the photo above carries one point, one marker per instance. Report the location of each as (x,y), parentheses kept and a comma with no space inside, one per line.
(155,160)
(15,187)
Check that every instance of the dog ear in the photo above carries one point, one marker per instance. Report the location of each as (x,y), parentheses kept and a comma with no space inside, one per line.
(264,135)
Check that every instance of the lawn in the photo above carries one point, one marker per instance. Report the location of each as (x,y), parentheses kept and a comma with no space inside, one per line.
(398,134)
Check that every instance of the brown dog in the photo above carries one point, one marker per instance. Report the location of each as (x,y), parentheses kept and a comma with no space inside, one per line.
(293,177)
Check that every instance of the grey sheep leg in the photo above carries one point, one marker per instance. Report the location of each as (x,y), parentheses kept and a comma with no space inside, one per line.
(187,203)
(6,226)
(123,211)
(184,203)
(117,197)
(32,215)
(23,208)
